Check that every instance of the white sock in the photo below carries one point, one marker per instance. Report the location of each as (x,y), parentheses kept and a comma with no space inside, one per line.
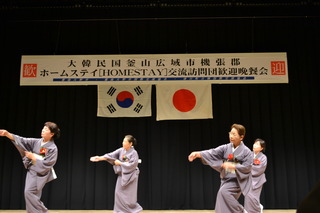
(261,207)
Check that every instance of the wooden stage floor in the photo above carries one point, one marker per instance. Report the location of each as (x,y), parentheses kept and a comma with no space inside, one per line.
(147,211)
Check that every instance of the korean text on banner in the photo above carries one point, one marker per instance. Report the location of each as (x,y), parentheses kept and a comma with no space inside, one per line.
(188,101)
(124,101)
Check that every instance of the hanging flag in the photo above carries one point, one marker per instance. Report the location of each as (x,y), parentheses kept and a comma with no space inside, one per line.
(124,101)
(177,102)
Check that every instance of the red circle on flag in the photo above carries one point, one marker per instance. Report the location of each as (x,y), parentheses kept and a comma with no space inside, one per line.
(184,100)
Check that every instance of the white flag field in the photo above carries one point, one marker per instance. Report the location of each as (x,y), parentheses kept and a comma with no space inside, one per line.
(180,102)
(124,101)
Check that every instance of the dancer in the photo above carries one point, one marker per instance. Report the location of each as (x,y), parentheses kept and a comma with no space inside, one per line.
(125,164)
(233,161)
(39,156)
(252,199)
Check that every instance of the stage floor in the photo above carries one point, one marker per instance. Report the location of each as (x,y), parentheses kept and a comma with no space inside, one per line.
(146,211)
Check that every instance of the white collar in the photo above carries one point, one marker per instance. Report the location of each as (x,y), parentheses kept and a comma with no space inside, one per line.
(234,149)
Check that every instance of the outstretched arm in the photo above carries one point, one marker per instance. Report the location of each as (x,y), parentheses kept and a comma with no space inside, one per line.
(5,133)
(97,158)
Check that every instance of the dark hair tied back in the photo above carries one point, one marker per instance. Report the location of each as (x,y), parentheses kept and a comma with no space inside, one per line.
(131,139)
(262,143)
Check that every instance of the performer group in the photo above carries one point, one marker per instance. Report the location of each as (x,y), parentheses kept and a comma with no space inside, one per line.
(241,170)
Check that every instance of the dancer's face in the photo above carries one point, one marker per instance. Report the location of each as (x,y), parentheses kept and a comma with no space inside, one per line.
(257,147)
(46,134)
(234,137)
(126,144)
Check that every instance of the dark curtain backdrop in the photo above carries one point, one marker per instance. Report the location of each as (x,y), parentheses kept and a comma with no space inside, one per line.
(285,115)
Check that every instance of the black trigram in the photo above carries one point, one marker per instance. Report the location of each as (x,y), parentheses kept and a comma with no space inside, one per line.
(111,108)
(138,90)
(111,91)
(138,108)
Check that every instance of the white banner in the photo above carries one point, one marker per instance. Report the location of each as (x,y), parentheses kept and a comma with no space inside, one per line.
(231,68)
(124,100)
(179,102)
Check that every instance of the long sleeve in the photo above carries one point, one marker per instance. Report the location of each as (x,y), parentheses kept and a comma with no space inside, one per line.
(214,157)
(112,156)
(115,154)
(131,164)
(128,170)
(129,167)
(24,144)
(243,170)
(42,167)
(258,175)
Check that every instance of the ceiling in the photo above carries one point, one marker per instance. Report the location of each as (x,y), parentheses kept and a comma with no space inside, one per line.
(15,4)
(50,9)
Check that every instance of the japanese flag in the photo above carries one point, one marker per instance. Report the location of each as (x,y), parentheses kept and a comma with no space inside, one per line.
(177,102)
(124,101)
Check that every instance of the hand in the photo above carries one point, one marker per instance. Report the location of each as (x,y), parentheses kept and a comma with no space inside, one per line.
(228,165)
(193,156)
(95,159)
(3,132)
(117,162)
(30,155)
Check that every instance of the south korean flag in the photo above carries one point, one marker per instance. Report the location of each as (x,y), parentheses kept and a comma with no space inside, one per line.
(124,101)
